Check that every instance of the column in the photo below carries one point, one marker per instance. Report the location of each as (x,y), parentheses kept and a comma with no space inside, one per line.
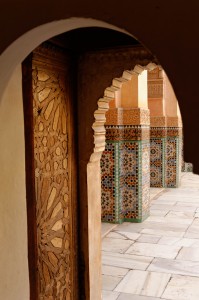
(126,160)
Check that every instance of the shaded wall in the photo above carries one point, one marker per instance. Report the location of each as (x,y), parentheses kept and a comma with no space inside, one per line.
(13,227)
(146,20)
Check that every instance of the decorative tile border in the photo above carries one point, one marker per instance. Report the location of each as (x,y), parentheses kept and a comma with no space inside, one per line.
(158,121)
(174,122)
(166,121)
(157,162)
(125,174)
(122,116)
(165,158)
(126,132)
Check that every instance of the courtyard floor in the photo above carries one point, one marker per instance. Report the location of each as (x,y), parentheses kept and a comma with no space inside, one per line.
(159,258)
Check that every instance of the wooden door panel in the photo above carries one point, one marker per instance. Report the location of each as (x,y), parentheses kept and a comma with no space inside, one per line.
(54,162)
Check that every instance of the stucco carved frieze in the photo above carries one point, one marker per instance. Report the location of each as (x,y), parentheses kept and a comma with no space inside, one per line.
(158,121)
(155,89)
(174,122)
(121,116)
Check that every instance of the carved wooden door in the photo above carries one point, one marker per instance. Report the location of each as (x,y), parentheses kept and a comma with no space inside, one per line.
(51,199)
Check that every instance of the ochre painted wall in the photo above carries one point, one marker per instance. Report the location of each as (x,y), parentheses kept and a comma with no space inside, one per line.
(175,45)
(14,283)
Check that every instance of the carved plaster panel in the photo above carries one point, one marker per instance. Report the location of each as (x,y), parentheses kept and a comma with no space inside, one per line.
(134,116)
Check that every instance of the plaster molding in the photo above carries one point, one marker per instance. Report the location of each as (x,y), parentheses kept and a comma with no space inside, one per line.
(103,106)
(158,121)
(125,116)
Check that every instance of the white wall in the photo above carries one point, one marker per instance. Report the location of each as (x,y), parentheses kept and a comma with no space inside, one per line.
(14,284)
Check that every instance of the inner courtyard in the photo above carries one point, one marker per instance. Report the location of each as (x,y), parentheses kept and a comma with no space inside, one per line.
(159,258)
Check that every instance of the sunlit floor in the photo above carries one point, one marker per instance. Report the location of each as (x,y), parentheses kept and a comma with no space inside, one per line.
(159,258)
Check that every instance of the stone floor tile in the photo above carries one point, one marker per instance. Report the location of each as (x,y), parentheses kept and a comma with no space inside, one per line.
(181,242)
(161,206)
(172,228)
(110,270)
(182,288)
(191,235)
(192,231)
(189,253)
(169,201)
(116,245)
(158,212)
(116,235)
(170,220)
(195,244)
(109,295)
(183,208)
(148,238)
(143,283)
(180,214)
(127,261)
(106,228)
(124,296)
(162,232)
(167,225)
(180,267)
(109,283)
(128,235)
(188,203)
(154,250)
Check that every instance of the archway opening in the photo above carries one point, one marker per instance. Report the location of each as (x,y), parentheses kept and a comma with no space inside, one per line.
(83,52)
(90,212)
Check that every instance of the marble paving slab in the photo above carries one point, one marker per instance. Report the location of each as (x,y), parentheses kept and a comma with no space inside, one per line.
(143,283)
(116,245)
(182,288)
(181,242)
(148,238)
(106,228)
(180,267)
(154,250)
(127,261)
(109,283)
(163,232)
(189,253)
(110,270)
(158,212)
(109,295)
(136,297)
(127,235)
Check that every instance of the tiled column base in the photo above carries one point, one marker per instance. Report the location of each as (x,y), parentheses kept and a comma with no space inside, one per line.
(157,156)
(173,156)
(125,174)
(165,151)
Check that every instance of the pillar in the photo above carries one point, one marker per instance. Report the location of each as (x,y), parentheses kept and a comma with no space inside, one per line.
(174,136)
(125,162)
(165,131)
(157,129)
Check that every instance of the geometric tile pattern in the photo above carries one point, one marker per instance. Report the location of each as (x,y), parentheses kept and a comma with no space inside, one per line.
(165,158)
(125,176)
(172,162)
(109,183)
(157,156)
(173,157)
(157,162)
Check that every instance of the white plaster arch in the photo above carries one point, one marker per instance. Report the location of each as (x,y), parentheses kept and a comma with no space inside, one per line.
(103,106)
